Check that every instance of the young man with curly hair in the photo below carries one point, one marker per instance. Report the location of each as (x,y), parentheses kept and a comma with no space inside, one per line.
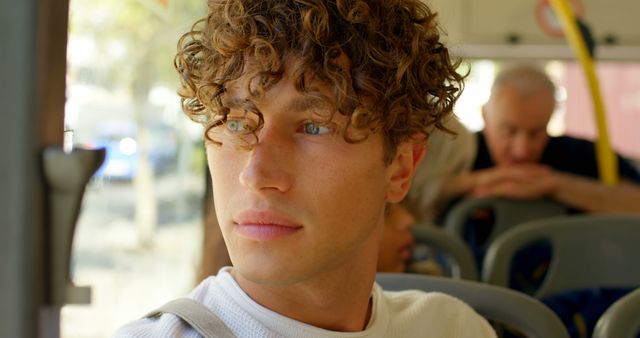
(316,114)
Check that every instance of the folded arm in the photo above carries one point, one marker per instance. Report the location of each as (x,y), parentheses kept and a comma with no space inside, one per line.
(537,181)
(592,196)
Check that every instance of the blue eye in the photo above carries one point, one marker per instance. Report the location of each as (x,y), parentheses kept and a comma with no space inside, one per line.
(312,128)
(237,126)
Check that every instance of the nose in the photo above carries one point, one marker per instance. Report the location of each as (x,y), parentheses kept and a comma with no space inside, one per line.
(405,219)
(521,148)
(268,165)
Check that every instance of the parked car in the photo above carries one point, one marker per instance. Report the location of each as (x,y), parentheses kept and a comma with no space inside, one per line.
(123,151)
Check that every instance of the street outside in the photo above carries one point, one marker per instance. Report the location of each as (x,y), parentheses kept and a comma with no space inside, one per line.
(127,279)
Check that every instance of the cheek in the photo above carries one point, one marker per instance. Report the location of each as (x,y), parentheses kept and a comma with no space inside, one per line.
(224,172)
(508,142)
(541,142)
(345,188)
(498,138)
(341,187)
(501,145)
(225,163)
(392,238)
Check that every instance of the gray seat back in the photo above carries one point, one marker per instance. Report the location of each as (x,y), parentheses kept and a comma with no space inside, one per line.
(587,251)
(507,213)
(522,312)
(622,319)
(456,251)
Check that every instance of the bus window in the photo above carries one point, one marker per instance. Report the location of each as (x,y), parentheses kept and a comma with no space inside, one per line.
(138,238)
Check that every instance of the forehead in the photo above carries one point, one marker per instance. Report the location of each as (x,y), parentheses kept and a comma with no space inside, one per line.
(296,102)
(280,92)
(509,106)
(294,72)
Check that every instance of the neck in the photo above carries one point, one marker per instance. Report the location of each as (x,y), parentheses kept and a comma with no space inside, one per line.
(338,300)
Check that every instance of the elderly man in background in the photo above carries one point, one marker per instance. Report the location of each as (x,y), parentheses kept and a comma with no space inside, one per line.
(516,158)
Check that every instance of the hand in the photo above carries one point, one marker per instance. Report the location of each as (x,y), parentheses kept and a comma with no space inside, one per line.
(528,181)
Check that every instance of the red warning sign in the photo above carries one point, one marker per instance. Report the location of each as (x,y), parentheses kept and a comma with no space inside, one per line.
(549,22)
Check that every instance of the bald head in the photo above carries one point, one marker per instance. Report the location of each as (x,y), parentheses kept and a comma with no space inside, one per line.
(526,81)
(516,115)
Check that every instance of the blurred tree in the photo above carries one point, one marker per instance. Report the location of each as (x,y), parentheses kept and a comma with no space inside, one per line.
(134,42)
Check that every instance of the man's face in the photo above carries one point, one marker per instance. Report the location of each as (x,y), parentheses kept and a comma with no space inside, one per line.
(397,239)
(302,201)
(516,126)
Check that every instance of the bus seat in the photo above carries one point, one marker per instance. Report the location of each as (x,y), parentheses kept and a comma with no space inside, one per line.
(592,263)
(622,319)
(587,251)
(505,306)
(506,214)
(457,254)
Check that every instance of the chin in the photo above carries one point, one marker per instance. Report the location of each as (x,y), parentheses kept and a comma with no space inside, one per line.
(261,275)
(268,272)
(398,267)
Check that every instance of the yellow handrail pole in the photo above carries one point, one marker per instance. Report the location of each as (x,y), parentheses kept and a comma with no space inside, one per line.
(607,160)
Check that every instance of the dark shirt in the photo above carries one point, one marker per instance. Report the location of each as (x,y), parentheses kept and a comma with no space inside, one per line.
(565,154)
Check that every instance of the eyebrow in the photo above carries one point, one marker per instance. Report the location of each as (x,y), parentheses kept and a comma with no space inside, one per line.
(297,104)
(304,103)
(233,102)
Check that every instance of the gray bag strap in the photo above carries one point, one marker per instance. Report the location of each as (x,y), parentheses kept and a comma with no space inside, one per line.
(197,315)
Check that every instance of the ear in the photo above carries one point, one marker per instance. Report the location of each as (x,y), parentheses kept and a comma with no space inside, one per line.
(403,166)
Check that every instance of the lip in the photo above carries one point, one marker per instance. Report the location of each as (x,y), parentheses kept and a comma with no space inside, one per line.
(405,253)
(406,250)
(262,225)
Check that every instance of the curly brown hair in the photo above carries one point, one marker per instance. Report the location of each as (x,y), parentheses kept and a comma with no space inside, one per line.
(401,79)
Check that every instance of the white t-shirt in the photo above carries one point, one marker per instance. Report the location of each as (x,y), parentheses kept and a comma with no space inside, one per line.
(394,314)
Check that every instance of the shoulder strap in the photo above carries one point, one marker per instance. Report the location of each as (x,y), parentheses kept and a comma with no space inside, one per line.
(197,315)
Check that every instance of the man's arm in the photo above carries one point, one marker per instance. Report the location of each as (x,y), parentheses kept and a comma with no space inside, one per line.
(456,186)
(592,196)
(514,182)
(587,194)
